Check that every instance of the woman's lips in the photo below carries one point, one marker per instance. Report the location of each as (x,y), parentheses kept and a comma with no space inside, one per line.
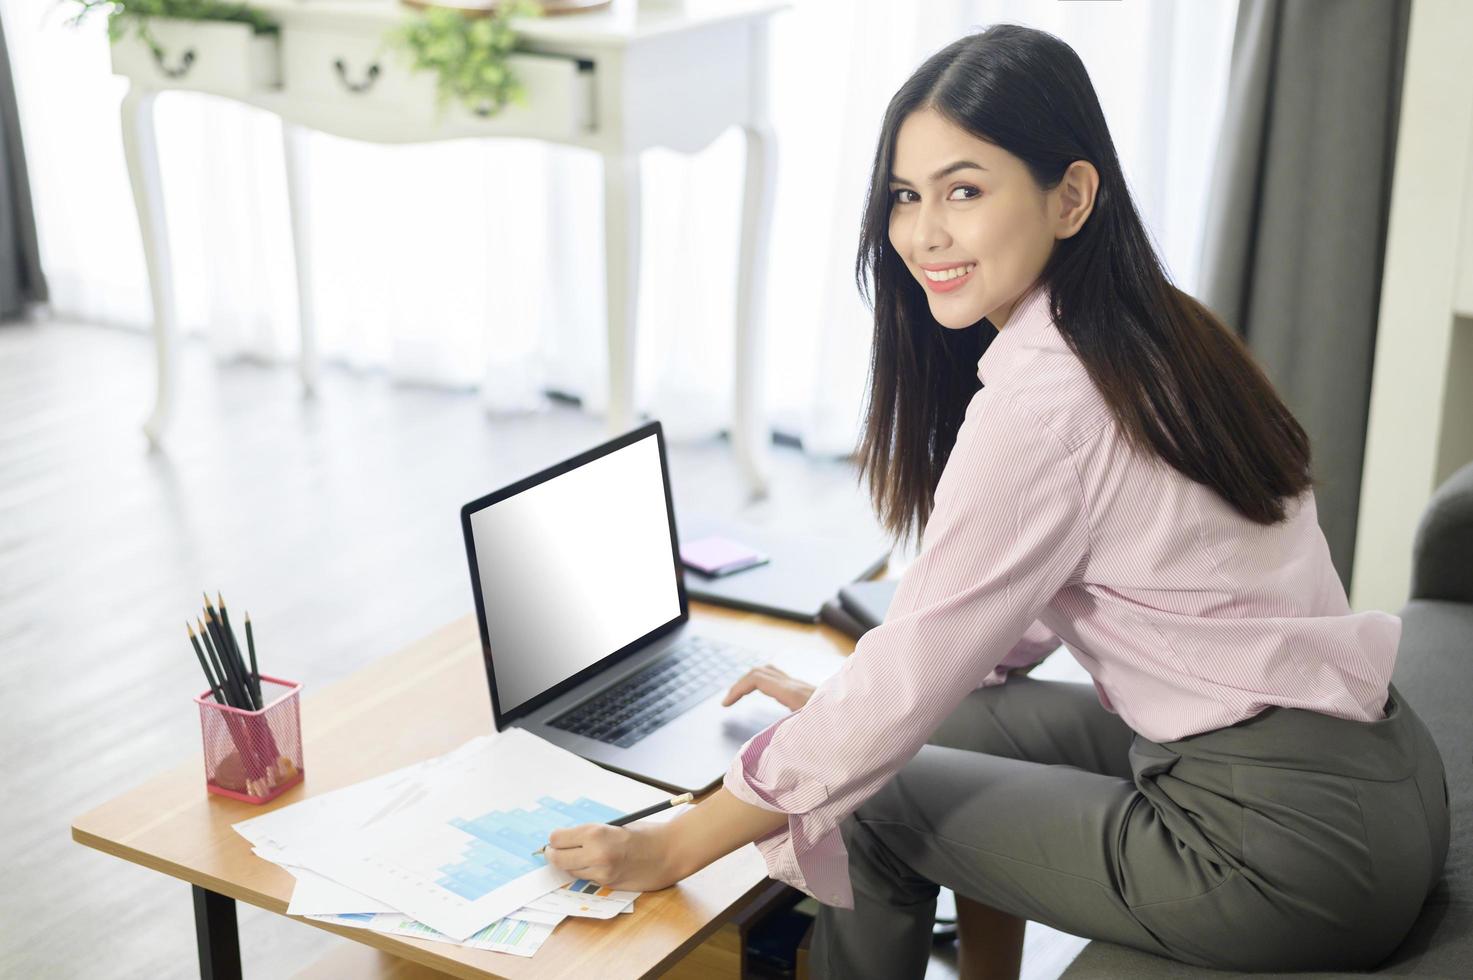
(950,284)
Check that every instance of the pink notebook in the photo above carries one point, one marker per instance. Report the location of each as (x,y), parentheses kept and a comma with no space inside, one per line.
(714,555)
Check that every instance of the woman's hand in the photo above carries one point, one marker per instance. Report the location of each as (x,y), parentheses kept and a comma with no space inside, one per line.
(636,859)
(649,856)
(790,692)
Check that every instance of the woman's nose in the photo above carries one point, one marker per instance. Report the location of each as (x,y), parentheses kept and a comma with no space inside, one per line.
(929,233)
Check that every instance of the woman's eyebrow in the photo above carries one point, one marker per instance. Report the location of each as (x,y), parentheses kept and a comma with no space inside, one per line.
(950,168)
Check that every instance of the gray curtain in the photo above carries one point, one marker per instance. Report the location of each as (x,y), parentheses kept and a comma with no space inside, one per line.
(1296,224)
(21,282)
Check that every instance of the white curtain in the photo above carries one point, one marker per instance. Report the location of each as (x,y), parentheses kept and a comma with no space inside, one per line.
(479,264)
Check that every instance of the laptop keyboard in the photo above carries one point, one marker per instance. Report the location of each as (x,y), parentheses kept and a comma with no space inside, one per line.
(672,685)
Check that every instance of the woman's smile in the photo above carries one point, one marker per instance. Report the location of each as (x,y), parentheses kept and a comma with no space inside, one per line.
(946,280)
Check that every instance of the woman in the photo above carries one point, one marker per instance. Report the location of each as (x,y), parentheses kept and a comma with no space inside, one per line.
(1242,787)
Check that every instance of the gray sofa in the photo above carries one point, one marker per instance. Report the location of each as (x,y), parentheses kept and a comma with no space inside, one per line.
(1434,672)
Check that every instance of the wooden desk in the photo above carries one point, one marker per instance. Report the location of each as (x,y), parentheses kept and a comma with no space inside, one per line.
(412,705)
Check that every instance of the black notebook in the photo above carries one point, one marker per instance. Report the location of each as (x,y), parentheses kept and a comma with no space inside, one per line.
(867,602)
(833,613)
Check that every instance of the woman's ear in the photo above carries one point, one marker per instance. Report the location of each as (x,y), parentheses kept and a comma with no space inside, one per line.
(1075,197)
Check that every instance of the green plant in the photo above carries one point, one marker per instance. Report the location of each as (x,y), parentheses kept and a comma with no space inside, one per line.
(469,54)
(123,15)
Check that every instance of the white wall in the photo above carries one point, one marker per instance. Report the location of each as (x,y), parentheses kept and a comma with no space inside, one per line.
(1421,416)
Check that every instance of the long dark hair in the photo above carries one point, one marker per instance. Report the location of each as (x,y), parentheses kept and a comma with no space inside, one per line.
(1180,384)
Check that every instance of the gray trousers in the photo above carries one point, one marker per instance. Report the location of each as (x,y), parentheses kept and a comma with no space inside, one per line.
(1293,840)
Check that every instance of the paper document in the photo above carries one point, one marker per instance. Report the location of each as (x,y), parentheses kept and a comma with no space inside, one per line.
(350,808)
(520,937)
(453,845)
(585,899)
(316,895)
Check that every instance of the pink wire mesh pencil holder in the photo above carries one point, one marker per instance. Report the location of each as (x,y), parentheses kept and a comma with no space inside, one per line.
(253,756)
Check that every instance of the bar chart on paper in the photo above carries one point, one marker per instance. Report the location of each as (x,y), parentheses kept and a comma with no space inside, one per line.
(503,841)
(462,856)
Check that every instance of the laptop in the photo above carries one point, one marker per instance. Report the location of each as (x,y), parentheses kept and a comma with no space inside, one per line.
(585,623)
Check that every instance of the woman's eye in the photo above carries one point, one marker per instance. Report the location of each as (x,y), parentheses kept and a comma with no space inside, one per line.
(895,197)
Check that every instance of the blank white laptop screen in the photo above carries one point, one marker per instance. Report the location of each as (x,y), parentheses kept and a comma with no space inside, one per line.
(574,569)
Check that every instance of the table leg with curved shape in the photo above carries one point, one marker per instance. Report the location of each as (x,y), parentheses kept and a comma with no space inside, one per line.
(294,144)
(750,436)
(140,148)
(621,278)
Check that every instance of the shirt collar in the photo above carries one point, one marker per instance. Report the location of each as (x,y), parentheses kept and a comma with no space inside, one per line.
(1029,328)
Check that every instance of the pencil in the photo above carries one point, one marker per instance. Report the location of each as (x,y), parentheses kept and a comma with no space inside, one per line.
(204,666)
(251,680)
(234,695)
(251,645)
(237,669)
(254,677)
(638,814)
(214,658)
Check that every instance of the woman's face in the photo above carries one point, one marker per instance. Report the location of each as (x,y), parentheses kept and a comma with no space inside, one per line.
(960,203)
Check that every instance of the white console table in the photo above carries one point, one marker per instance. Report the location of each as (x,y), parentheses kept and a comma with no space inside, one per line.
(617,80)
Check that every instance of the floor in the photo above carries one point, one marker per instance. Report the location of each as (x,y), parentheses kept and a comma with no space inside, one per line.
(333,521)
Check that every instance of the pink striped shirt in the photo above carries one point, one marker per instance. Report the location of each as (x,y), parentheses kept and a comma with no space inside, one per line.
(1049,527)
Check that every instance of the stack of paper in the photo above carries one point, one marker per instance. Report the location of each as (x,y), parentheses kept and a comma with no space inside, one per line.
(444,849)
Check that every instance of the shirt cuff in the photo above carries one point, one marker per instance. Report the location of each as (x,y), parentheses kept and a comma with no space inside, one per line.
(1036,645)
(818,868)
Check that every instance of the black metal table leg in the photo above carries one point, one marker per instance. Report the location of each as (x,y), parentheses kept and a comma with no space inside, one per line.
(215,931)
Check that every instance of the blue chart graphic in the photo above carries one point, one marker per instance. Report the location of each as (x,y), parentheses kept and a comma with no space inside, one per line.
(505,839)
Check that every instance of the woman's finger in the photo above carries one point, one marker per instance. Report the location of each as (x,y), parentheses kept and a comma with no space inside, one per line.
(564,858)
(572,859)
(597,873)
(790,693)
(766,678)
(565,837)
(745,685)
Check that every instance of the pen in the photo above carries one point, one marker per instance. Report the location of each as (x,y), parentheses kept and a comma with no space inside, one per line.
(638,814)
